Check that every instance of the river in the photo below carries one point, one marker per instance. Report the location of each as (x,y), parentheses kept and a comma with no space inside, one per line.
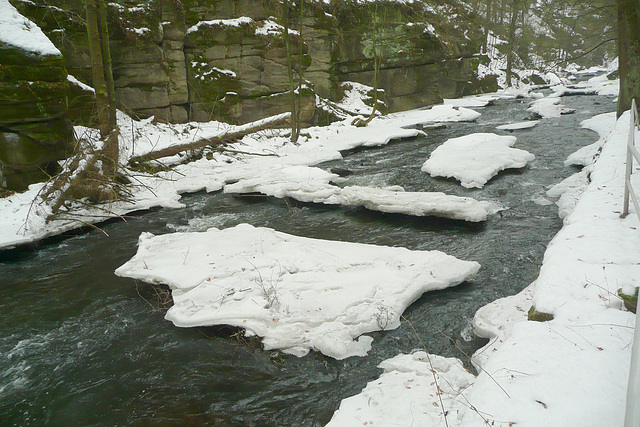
(80,346)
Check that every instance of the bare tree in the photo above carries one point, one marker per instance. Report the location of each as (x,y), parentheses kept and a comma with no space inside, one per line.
(92,173)
(377,60)
(102,76)
(294,91)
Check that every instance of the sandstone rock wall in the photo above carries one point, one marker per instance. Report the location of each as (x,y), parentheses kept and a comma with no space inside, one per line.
(428,50)
(226,59)
(34,132)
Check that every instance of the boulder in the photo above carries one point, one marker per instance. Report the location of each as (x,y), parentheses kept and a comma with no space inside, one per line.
(34,132)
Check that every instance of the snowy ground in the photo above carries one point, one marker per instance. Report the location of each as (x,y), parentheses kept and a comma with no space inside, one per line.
(570,371)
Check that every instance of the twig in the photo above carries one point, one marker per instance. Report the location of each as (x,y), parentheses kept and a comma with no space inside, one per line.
(433,371)
(455,344)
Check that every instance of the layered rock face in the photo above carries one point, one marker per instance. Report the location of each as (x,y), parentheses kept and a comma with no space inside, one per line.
(34,132)
(226,59)
(427,50)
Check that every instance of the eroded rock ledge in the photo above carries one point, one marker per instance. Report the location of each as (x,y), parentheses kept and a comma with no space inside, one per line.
(225,59)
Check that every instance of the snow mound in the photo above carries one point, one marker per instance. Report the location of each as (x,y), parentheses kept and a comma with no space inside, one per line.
(298,294)
(474,159)
(312,185)
(22,33)
(603,124)
(549,108)
(416,387)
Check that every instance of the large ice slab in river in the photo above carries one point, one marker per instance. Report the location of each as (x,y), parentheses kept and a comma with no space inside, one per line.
(312,185)
(474,159)
(296,293)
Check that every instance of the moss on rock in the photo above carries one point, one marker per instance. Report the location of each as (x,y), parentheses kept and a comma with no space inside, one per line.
(630,301)
(538,316)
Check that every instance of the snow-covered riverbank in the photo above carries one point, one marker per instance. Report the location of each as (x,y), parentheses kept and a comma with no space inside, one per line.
(25,217)
(569,371)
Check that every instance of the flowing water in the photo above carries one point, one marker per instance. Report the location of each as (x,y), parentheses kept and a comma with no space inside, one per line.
(80,346)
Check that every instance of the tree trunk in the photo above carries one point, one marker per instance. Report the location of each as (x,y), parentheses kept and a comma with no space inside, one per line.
(512,39)
(294,115)
(244,130)
(97,68)
(487,23)
(628,52)
(111,149)
(106,62)
(300,77)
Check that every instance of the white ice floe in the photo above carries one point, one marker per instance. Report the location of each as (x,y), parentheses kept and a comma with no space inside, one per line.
(473,101)
(313,185)
(415,389)
(298,294)
(418,203)
(474,159)
(549,107)
(519,126)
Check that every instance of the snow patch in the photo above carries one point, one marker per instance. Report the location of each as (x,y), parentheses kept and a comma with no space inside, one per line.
(22,33)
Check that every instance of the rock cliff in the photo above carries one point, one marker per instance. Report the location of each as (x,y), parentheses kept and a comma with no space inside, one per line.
(34,132)
(203,59)
(226,59)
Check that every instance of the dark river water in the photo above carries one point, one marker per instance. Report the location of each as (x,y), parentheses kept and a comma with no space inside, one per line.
(80,346)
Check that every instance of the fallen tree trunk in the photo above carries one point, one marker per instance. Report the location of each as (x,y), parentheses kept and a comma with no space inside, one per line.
(240,132)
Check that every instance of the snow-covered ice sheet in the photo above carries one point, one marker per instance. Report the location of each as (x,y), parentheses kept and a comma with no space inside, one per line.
(603,124)
(414,390)
(418,203)
(568,191)
(474,159)
(473,101)
(549,107)
(298,294)
(312,185)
